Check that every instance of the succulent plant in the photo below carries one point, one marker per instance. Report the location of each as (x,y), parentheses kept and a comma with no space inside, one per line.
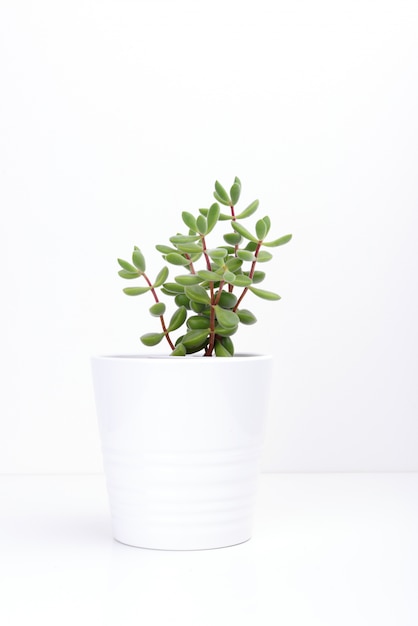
(208,299)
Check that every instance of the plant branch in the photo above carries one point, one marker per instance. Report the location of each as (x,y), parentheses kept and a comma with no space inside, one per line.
(191,267)
(208,264)
(218,295)
(163,326)
(251,274)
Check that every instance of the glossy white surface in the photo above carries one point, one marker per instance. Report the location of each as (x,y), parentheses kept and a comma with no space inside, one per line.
(182,467)
(328,550)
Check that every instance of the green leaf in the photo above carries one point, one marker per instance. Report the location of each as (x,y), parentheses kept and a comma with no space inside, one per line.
(243,231)
(128,267)
(234,239)
(267,295)
(225,332)
(235,193)
(138,259)
(184,238)
(233,264)
(267,222)
(189,220)
(198,322)
(252,208)
(227,300)
(197,307)
(157,309)
(263,256)
(258,277)
(220,349)
(229,277)
(151,339)
(225,317)
(278,242)
(165,249)
(182,300)
(245,255)
(241,280)
(207,275)
(217,253)
(190,248)
(173,288)
(195,339)
(213,216)
(195,257)
(188,279)
(130,275)
(222,216)
(219,199)
(261,229)
(202,225)
(198,348)
(178,319)
(161,277)
(246,317)
(179,350)
(228,344)
(221,192)
(237,180)
(177,259)
(136,291)
(252,246)
(198,294)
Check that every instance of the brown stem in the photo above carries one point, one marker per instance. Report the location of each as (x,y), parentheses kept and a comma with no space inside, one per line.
(218,296)
(163,326)
(191,267)
(257,250)
(208,265)
(240,299)
(251,274)
(211,346)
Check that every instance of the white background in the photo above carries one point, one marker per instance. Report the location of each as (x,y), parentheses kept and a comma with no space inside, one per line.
(117,115)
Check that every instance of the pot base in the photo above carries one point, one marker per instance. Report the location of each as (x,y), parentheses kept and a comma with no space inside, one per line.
(190,547)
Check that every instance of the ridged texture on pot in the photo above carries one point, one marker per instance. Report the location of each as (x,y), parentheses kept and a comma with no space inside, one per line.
(181,479)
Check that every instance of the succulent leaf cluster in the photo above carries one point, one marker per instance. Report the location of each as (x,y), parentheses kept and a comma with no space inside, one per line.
(212,281)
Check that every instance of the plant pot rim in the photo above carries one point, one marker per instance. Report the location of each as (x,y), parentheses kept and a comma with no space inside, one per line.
(241,357)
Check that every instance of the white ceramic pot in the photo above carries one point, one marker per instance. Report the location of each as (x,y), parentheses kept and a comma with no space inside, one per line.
(181,440)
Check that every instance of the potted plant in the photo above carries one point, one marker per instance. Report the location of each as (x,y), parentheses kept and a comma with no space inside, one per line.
(182,433)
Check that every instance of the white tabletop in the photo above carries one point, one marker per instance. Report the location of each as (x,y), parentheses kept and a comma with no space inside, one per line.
(328,550)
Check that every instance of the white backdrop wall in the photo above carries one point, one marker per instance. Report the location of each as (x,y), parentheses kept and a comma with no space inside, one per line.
(117,115)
